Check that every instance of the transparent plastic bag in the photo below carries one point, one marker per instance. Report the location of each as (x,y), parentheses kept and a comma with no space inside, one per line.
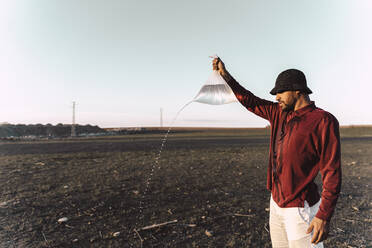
(215,91)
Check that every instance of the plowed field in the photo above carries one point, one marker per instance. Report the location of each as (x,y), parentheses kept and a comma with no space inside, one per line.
(212,183)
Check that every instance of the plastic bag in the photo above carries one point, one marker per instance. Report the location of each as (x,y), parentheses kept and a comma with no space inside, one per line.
(215,91)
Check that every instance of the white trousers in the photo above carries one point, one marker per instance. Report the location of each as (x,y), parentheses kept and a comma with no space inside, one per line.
(288,226)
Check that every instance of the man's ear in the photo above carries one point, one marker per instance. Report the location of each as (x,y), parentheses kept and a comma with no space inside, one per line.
(298,93)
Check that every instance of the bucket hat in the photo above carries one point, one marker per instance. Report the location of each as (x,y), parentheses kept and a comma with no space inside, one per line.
(290,80)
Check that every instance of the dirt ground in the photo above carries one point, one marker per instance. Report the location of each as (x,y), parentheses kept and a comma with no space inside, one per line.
(212,183)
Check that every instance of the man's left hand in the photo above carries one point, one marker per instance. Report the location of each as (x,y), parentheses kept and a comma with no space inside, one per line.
(320,230)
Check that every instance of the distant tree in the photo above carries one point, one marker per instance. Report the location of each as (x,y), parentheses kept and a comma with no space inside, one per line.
(59,130)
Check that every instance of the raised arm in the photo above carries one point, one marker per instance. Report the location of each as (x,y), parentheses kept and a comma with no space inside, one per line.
(261,107)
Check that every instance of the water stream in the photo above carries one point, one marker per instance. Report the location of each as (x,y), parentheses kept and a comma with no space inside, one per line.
(156,164)
(214,92)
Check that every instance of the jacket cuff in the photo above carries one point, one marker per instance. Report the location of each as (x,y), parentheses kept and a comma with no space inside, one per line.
(324,216)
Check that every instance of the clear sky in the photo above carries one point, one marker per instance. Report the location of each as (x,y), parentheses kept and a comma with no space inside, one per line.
(122,61)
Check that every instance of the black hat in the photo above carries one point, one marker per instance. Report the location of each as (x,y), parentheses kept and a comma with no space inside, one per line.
(290,80)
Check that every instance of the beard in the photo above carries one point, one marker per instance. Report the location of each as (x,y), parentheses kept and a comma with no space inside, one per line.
(286,107)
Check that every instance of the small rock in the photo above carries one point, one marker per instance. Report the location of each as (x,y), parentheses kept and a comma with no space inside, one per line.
(136,192)
(356,209)
(65,187)
(116,234)
(62,220)
(75,240)
(208,233)
(267,209)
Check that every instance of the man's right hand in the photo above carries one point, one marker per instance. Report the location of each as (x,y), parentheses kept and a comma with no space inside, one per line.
(219,66)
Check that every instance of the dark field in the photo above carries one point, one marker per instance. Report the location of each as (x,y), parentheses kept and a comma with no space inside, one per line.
(211,182)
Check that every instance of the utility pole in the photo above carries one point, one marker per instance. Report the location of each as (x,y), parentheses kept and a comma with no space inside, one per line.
(161,117)
(73,128)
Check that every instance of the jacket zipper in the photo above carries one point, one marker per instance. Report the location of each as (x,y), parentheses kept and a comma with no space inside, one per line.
(276,165)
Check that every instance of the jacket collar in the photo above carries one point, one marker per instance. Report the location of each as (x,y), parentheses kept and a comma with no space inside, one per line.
(302,111)
(305,109)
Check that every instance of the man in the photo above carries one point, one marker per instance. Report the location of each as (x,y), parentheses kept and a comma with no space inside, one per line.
(304,141)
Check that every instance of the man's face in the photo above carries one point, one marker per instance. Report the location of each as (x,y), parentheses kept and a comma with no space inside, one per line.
(287,100)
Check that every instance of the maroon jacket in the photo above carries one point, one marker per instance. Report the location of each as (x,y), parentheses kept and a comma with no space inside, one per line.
(303,142)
